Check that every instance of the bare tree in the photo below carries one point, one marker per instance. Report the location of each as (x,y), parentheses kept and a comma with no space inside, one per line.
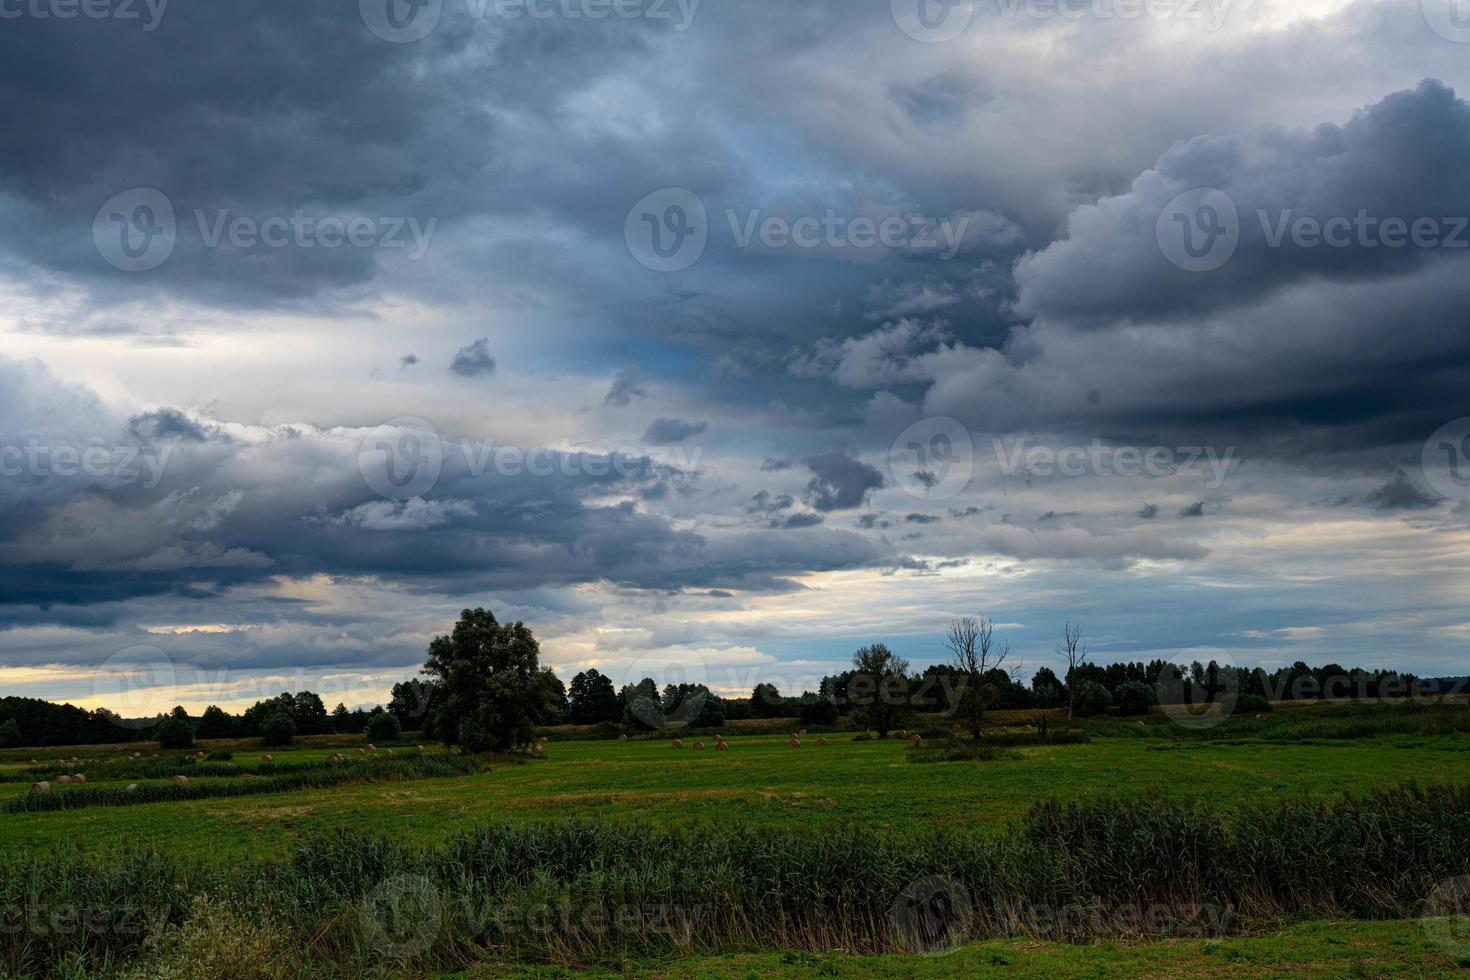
(972,641)
(1074,653)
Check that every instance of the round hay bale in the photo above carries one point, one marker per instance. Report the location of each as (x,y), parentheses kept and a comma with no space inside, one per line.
(267,758)
(372,747)
(802,733)
(719,738)
(915,739)
(722,747)
(903,733)
(362,751)
(421,749)
(699,746)
(793,742)
(181,780)
(622,738)
(79,778)
(678,743)
(34,762)
(389,751)
(42,787)
(132,787)
(543,740)
(63,780)
(822,740)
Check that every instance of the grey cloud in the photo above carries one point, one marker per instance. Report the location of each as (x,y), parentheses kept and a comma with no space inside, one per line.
(839,481)
(474,361)
(664,431)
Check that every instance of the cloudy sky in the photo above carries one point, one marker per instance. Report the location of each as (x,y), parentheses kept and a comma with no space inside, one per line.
(724,337)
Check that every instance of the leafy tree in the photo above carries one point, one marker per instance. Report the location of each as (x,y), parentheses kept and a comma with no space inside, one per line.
(766,702)
(215,723)
(1135,698)
(711,713)
(592,699)
(383,726)
(1091,699)
(277,729)
(494,690)
(412,703)
(179,713)
(341,719)
(176,733)
(309,714)
(9,733)
(878,688)
(820,710)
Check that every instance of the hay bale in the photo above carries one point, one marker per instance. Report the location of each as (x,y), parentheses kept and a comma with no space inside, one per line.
(793,742)
(362,751)
(802,733)
(622,738)
(822,740)
(267,758)
(181,780)
(722,747)
(678,743)
(421,749)
(63,780)
(42,787)
(79,778)
(389,751)
(903,733)
(915,739)
(132,787)
(543,740)
(372,747)
(699,746)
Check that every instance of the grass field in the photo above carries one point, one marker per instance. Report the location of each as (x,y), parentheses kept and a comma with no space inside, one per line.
(1321,756)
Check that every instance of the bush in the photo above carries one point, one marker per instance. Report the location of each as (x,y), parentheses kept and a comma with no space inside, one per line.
(1135,698)
(383,727)
(1252,704)
(278,729)
(821,711)
(220,755)
(176,733)
(1093,699)
(711,714)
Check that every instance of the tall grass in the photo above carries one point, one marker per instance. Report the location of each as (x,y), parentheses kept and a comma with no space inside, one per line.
(582,892)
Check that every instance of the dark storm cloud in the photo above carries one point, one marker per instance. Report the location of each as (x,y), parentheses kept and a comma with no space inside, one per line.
(165,423)
(1400,494)
(664,430)
(407,361)
(839,481)
(474,361)
(1196,509)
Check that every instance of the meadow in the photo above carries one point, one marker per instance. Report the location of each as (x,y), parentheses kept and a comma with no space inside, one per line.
(794,860)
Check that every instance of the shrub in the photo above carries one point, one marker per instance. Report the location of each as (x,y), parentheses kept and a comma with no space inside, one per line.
(1252,704)
(176,733)
(278,729)
(1135,698)
(220,755)
(383,727)
(1093,699)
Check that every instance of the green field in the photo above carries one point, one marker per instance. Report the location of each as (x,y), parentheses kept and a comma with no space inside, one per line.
(812,796)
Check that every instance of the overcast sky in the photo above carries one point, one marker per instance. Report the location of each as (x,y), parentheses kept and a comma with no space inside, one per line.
(725,337)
